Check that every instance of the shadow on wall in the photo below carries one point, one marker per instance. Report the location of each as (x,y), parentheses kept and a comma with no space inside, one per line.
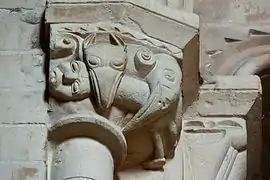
(265,79)
(44,44)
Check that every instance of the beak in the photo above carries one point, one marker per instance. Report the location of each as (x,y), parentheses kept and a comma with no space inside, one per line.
(105,82)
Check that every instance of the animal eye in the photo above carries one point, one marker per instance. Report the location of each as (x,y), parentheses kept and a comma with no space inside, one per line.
(117,62)
(169,75)
(75,67)
(93,61)
(75,87)
(66,41)
(52,78)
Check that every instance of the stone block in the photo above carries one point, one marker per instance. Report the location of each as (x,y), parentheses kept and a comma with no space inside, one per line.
(181,26)
(227,36)
(18,32)
(22,143)
(21,3)
(185,5)
(190,69)
(22,107)
(230,96)
(224,103)
(244,82)
(243,11)
(23,170)
(21,71)
(220,32)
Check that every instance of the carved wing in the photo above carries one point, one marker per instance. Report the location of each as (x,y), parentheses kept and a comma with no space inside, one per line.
(164,82)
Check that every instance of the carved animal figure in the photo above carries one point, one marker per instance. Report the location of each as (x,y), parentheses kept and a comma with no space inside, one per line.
(161,72)
(163,76)
(68,77)
(106,63)
(110,72)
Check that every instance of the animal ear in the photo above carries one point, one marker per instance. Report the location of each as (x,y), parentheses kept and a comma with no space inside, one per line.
(116,40)
(89,40)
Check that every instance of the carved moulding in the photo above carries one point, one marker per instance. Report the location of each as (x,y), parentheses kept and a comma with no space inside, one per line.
(222,133)
(237,50)
(248,57)
(186,5)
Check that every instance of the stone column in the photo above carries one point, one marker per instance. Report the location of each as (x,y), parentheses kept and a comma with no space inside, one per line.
(82,158)
(85,147)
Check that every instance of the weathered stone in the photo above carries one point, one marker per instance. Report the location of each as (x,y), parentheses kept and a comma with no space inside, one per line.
(186,5)
(128,65)
(240,47)
(229,96)
(73,158)
(23,142)
(31,108)
(232,105)
(160,6)
(21,170)
(243,11)
(172,170)
(33,16)
(26,67)
(126,71)
(244,82)
(229,102)
(186,24)
(107,53)
(191,80)
(19,35)
(29,4)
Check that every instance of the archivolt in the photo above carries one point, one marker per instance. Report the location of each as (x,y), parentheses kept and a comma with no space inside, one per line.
(248,57)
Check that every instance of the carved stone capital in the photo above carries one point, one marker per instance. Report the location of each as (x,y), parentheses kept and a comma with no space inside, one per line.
(116,79)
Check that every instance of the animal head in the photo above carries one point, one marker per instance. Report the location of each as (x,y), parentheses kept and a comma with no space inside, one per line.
(105,57)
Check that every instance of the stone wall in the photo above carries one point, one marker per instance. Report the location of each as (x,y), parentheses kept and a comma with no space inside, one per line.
(22,83)
(227,23)
(235,41)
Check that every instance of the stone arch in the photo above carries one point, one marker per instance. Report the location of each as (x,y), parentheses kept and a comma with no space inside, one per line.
(247,57)
(250,57)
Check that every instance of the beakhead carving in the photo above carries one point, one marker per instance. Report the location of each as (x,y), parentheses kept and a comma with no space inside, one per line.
(105,58)
(141,82)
